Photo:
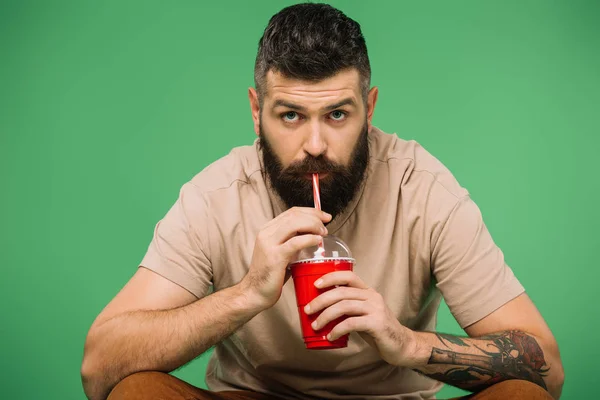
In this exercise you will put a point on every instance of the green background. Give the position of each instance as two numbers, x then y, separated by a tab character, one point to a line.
107	108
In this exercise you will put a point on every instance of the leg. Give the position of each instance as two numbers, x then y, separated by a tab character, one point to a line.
160	386
512	389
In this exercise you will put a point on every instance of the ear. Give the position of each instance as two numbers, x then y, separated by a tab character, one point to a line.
371	101
255	109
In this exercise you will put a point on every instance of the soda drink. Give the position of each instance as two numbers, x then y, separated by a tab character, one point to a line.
311	264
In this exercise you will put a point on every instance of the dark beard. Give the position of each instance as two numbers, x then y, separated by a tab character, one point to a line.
338	188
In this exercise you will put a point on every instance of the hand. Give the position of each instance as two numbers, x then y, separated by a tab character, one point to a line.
366	314
276	245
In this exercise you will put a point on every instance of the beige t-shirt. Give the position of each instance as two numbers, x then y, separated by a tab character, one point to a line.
416	236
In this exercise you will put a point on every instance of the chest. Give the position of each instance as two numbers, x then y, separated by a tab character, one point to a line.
390	258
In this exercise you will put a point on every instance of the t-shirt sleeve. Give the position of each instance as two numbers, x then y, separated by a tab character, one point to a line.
179	248
469	267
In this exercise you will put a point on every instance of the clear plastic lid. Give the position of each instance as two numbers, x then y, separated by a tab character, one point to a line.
332	248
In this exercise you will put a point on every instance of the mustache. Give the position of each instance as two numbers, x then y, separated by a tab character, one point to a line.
311	165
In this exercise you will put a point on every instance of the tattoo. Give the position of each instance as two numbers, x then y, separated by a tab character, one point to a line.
508	355
452	339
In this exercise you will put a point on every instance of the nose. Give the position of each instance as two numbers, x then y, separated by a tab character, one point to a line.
315	144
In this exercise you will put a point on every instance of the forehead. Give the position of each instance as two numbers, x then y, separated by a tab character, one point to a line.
345	84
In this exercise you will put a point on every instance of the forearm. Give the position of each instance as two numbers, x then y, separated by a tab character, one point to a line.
476	363
161	340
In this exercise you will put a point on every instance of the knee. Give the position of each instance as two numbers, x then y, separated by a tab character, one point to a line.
516	389
141	385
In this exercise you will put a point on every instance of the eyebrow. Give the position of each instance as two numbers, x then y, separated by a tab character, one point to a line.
346	101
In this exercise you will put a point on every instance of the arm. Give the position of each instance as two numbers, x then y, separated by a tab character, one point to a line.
156	325
477	285
513	342
476	363
158	339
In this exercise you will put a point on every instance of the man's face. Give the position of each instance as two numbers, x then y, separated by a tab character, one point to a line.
322	127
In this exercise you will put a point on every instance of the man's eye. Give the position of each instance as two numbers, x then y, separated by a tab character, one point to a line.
338	115
290	116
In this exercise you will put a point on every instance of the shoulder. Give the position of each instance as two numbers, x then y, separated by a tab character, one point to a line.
412	164
234	170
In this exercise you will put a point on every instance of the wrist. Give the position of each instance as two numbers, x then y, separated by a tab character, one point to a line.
251	298
417	350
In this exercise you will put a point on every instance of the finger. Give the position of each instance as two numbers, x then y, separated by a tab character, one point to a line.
344	307
322	215
297	243
298	224
271	226
331	297
338	278
285	229
285	226
352	324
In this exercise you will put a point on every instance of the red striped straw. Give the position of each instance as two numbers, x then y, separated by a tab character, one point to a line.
316	192
317	199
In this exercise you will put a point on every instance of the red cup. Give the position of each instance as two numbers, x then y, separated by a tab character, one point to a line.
304	274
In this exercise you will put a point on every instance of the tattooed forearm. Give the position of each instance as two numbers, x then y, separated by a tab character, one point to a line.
476	363
452	339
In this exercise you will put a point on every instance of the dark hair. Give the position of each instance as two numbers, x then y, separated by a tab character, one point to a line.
311	42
